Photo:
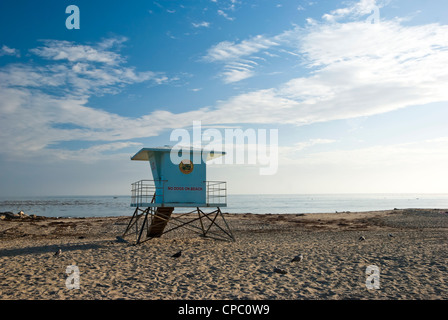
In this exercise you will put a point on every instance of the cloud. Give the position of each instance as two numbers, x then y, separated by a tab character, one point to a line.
354	11
225	15
7	51
78	69
397	168
417	154
75	79
289	154
226	51
238	70
235	74
23	75
230	51
103	152
203	24
67	50
114	42
43	105
355	69
299	146
231	54
368	69
373	69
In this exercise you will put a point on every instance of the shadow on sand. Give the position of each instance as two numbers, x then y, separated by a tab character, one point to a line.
51	249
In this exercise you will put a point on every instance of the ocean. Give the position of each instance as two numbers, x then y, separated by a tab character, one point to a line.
107	206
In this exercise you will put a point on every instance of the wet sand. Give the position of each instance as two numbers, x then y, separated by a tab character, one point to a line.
412	264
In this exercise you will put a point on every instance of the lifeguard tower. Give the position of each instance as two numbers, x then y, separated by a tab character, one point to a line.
177	182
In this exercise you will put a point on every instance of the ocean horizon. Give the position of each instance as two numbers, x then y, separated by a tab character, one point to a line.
119	205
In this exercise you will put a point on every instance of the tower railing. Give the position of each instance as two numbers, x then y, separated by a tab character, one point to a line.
145	192
216	192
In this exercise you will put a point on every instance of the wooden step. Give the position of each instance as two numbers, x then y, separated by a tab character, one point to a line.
159	221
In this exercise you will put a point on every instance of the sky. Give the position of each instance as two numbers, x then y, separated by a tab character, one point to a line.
357	91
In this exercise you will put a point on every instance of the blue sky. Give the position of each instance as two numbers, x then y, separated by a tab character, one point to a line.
359	107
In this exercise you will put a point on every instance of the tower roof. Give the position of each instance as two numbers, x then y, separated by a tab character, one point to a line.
145	153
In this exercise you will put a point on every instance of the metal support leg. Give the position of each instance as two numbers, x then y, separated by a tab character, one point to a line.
176	222
143	225
131	222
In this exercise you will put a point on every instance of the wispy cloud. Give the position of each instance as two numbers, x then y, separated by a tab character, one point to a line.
398	168
355	10
231	54
7	51
230	51
288	41
38	98
417	154
225	15
356	69
79	69
290	154
203	24
238	70
66	50
103	151
359	69
299	146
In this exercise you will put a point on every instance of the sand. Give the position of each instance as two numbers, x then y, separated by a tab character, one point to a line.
412	264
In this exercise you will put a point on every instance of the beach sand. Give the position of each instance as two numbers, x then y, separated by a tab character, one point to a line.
412	264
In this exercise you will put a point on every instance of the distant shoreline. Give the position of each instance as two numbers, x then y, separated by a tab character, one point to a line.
93	206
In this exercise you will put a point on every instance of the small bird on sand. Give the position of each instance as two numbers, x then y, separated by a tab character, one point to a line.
362	238
58	253
281	271
297	258
391	235
177	254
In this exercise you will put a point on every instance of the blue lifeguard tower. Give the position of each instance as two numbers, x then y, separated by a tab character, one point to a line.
179	180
